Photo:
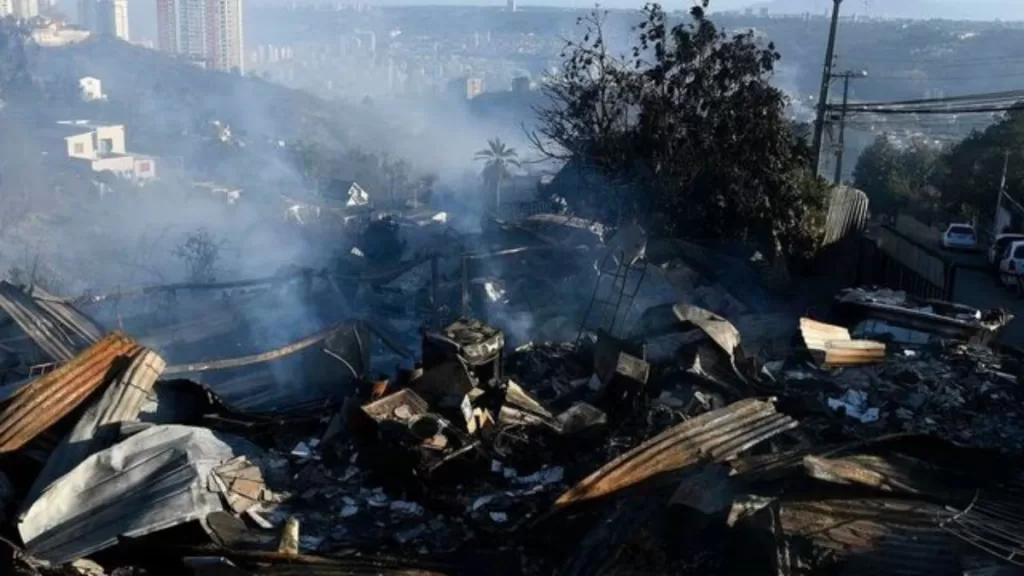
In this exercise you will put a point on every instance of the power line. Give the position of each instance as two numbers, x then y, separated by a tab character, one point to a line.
985	110
992	96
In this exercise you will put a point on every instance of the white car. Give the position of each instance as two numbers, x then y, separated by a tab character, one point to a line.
1011	267
999	246
960	236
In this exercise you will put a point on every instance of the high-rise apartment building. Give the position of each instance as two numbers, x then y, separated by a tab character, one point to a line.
112	18
205	30
19	8
104	17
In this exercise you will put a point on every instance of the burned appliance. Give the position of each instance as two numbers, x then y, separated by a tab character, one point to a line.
479	347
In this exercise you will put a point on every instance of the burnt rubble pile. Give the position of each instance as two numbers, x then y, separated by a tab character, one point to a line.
886	439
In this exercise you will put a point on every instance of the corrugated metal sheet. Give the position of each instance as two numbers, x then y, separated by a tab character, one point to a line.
120	402
868	536
847	214
57	328
51	397
154	480
831	345
893	473
994	523
80	323
716	436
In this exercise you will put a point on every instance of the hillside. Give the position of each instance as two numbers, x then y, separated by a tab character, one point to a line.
156	92
908	9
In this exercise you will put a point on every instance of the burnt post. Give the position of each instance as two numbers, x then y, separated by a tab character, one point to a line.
434	310
465	286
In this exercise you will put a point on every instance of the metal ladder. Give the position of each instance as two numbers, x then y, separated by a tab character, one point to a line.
606	308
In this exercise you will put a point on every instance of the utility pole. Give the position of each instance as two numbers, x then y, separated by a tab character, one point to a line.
1002	192
826	79
841	141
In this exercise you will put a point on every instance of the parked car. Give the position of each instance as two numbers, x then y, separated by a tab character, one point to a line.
1012	264
999	246
959	236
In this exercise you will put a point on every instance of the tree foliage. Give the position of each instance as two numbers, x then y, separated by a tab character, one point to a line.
497	158
687	131
970	173
200	252
14	72
956	183
899	179
384	177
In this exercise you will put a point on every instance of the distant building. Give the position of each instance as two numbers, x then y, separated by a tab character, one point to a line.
521	84
229	194
347	193
91	89
207	30
367	41
53	35
112	18
20	8
100	147
466	88
510	5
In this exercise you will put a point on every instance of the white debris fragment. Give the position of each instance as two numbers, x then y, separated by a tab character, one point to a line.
510	473
349	510
544	476
411	508
499	517
854	402
378	500
349	474
305	451
481	502
496	466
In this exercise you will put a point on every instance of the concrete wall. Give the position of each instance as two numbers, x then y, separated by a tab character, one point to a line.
118	164
116	136
81	146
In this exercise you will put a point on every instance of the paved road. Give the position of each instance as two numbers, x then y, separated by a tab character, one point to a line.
977	287
981	290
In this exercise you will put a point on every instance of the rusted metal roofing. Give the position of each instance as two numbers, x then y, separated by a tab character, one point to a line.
120	402
55	326
831	345
867	536
51	397
716	436
994	523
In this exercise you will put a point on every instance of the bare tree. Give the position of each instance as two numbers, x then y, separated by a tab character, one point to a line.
200	251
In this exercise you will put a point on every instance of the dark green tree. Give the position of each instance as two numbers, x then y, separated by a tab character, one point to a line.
689	133
898	179
971	171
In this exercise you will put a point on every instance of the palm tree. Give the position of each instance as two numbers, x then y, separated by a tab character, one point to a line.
498	158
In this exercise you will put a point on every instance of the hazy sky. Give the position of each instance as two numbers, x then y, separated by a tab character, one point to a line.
982	9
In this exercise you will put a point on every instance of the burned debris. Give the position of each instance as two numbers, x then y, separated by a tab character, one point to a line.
883	437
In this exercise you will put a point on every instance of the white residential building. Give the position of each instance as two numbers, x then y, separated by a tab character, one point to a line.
101	147
91	89
6	8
